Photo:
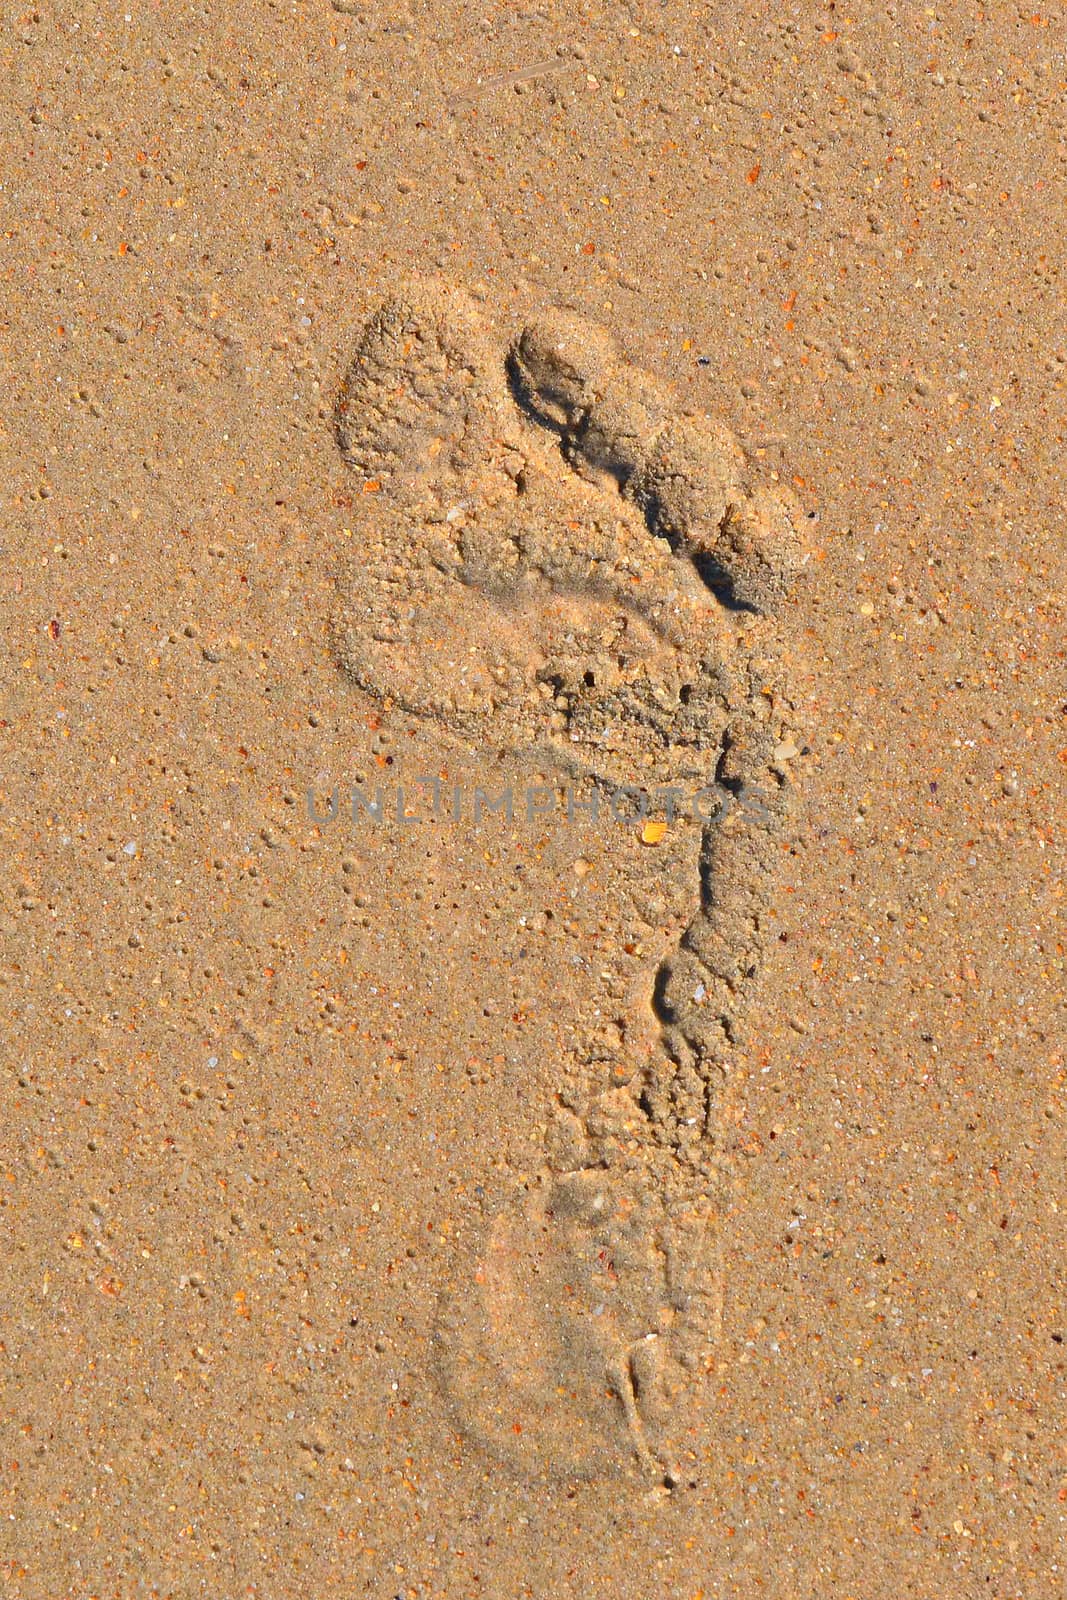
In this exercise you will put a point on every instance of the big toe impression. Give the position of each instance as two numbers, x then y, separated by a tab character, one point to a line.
423	392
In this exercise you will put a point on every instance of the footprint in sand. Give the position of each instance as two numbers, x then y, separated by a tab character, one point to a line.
557	562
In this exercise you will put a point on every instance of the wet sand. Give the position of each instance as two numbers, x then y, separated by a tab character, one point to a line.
286	1155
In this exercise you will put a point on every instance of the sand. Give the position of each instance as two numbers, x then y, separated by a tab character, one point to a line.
434	1160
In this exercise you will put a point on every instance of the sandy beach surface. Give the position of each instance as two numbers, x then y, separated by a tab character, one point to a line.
508	417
